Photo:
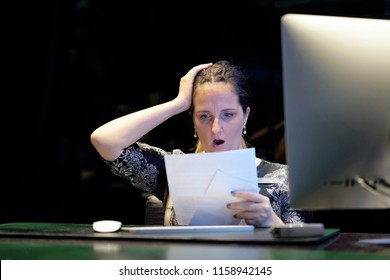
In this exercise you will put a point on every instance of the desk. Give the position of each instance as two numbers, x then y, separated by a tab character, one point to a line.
37	241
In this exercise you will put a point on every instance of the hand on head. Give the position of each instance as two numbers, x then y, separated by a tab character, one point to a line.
186	85
255	209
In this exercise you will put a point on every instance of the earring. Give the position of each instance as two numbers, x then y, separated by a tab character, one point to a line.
244	130
195	135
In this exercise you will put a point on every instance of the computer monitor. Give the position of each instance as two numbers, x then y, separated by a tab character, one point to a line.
336	90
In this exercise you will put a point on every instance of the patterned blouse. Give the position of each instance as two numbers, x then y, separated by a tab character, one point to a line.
143	165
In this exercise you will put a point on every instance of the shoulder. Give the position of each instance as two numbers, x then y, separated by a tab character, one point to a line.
141	151
267	167
277	171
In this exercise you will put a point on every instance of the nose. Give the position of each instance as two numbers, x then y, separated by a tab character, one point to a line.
216	126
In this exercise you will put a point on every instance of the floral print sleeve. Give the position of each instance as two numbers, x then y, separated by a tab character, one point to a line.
143	165
278	192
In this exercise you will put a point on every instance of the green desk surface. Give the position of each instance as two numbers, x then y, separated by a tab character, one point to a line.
45	241
85	231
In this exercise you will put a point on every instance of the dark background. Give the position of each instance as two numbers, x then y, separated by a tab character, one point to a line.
77	64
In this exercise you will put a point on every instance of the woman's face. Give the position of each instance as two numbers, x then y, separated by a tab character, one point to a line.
218	117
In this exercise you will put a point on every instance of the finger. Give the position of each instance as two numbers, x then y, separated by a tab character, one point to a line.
194	70
258	218
188	79
249	215
245	205
201	67
250	196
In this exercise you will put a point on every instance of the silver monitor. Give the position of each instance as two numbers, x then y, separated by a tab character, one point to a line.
336	88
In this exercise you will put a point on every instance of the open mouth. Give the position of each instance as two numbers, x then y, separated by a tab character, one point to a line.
218	142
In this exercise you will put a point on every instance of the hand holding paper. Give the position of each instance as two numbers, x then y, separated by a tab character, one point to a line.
200	185
212	208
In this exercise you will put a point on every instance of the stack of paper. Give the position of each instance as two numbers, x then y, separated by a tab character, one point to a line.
200	184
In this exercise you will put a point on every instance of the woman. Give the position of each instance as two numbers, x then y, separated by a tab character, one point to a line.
217	96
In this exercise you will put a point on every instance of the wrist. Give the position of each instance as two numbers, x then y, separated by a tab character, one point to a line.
181	105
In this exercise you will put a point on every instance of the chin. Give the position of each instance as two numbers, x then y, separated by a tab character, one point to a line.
219	148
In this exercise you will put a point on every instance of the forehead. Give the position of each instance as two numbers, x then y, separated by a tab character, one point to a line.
214	94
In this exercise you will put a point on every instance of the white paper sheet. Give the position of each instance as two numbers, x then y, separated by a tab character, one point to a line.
200	184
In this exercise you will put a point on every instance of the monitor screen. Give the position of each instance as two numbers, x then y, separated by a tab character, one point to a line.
336	90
